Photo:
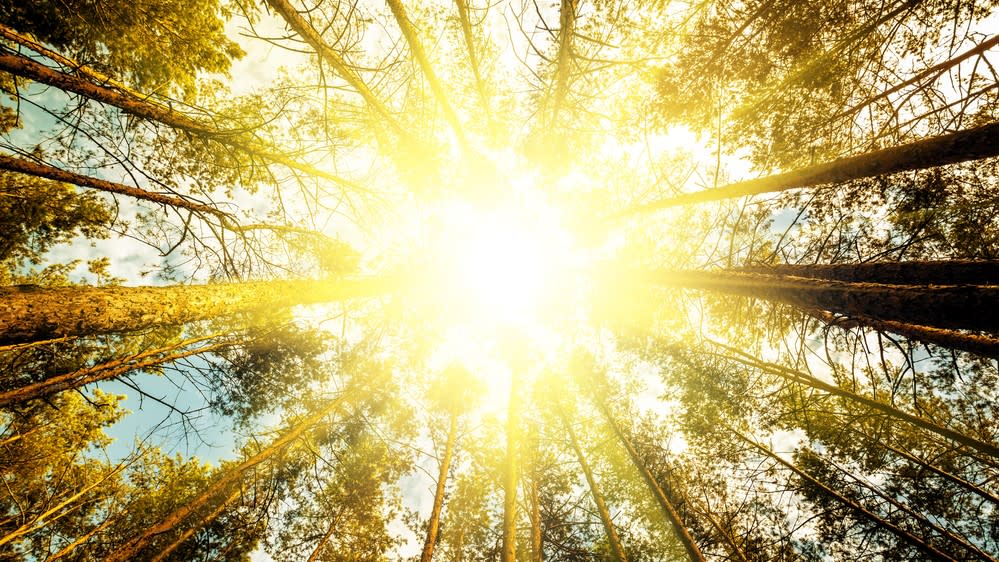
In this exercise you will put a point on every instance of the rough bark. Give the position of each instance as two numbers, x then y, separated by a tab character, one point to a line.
972	307
30	313
808	380
435	513
972	144
134	546
617	551
987	346
567	28
949	272
25	67
669	510
906	536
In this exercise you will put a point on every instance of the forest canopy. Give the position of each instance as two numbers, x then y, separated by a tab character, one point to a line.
522	280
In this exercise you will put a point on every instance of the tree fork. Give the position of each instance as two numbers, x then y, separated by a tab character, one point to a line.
415	47
30	313
972	144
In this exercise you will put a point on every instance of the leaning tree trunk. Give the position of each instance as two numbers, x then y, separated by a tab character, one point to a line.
134	546
972	144
906	536
31	313
971	487
617	551
188	533
509	553
794	376
984	345
110	369
669	510
972	307
941	272
435	513
25	67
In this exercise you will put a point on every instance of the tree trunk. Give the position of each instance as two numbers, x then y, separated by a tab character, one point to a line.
322	542
972	307
509	553
134	546
932	71
304	29
669	510
537	538
617	551
416	48
25	67
948	272
972	144
986	346
435	513
984	494
808	380
30	313
853	505
37	169
108	370
188	533
913	514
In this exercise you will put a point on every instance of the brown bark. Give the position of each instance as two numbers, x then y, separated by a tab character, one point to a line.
987	346
948	272
304	29
669	510
322	542
108	370
972	144
40	170
25	67
189	532
972	307
808	380
913	540
617	551
134	546
915	515
29	313
435	513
